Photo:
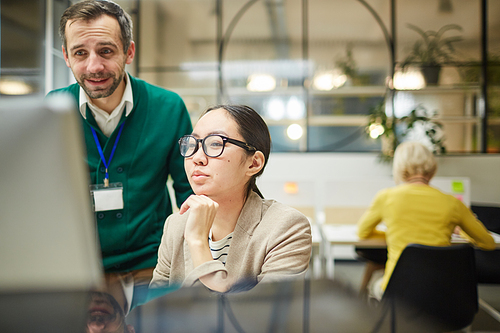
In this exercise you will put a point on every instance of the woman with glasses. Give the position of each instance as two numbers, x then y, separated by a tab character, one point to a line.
226	232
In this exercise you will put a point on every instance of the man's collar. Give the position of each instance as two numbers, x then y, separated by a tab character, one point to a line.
127	96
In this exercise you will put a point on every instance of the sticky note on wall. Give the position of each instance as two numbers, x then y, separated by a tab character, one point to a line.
457	186
291	188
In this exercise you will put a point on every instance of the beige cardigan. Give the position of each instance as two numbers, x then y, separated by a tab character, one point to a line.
270	239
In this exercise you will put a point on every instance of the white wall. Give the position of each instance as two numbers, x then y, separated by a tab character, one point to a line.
483	171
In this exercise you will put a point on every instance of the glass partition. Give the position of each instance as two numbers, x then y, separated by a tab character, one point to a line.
316	70
21	47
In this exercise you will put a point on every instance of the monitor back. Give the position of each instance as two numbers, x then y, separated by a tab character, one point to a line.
48	236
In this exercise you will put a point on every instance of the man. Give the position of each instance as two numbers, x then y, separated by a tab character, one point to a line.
131	129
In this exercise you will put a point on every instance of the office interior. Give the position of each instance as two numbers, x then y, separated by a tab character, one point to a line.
322	73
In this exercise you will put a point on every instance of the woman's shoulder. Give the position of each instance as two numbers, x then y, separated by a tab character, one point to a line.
273	210
269	217
280	222
382	194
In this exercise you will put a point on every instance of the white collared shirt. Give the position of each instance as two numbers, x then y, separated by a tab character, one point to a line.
127	283
108	122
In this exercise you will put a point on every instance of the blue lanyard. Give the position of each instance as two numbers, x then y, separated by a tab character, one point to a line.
99	148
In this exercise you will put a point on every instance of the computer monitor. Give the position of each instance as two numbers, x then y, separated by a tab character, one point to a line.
48	236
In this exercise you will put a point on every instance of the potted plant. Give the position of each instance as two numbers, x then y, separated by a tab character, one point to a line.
432	50
471	73
348	67
382	126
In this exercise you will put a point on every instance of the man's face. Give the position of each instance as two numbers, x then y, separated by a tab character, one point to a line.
95	55
104	314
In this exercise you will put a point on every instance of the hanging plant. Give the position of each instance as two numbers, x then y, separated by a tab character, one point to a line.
427	122
347	63
419	125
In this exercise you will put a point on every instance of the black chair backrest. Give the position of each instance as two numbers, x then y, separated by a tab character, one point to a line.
434	284
488	266
487	262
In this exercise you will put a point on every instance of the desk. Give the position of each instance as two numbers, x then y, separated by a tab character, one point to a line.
345	234
317	251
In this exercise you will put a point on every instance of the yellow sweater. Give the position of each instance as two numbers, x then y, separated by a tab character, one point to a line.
420	214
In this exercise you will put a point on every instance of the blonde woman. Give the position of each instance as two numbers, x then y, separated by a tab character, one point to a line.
415	212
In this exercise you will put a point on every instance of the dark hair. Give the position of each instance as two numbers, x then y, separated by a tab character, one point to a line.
92	9
254	131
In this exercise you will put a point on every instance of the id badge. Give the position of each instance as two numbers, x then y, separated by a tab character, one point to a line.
107	197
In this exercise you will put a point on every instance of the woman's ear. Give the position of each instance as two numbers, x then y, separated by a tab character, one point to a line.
257	163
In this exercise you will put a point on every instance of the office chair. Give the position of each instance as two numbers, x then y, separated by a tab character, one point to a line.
487	268
488	273
434	286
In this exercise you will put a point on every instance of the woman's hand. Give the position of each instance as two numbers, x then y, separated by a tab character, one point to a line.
200	220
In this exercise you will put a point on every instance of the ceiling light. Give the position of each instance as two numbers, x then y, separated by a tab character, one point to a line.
261	82
403	103
445	6
295	108
294	131
329	80
15	87
376	130
276	109
410	79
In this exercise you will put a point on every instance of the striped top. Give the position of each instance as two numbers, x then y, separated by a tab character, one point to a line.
220	248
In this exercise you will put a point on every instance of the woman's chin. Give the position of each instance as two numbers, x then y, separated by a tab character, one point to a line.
200	191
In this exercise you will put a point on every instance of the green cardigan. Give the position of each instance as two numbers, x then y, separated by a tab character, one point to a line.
146	154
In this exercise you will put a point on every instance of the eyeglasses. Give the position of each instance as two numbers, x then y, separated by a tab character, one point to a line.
213	145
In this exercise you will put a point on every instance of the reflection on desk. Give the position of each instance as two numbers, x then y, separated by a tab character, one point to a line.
286	306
